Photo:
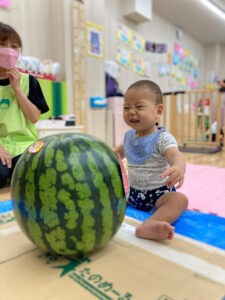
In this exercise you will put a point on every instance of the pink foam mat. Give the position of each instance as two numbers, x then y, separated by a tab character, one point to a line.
205	188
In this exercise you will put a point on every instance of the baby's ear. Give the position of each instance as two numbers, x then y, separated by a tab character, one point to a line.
160	109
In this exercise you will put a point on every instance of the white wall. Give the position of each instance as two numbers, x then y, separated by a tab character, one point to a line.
215	60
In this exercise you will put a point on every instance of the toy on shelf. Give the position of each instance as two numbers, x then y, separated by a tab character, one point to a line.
44	69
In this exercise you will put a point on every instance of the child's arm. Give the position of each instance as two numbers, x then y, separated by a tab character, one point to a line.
176	171
31	112
5	157
120	150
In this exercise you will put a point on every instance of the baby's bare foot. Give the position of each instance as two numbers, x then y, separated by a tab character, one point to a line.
155	230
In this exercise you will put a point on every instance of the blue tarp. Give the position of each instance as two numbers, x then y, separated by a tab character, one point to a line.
206	228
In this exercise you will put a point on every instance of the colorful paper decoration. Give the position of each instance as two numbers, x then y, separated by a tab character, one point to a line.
155	48
150	47
123	56
161	48
195	73
164	70
124	34
138	65
176	47
4	3
95	43
148	68
176	58
169	58
137	42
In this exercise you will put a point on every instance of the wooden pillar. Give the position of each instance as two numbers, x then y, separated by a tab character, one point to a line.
173	114
79	62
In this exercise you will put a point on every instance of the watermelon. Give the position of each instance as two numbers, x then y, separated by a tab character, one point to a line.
68	195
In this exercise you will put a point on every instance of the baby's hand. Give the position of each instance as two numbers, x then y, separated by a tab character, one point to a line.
175	176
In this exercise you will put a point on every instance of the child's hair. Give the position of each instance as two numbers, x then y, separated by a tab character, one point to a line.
7	33
151	86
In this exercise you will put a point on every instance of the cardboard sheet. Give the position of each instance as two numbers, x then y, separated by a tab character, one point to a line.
5	194
126	268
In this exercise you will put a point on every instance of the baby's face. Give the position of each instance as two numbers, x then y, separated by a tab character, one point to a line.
140	110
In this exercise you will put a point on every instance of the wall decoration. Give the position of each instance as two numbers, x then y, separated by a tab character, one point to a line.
161	48
112	68
169	58
4	3
95	43
182	53
138	42
123	56
148	67
155	47
164	70
138	65
150	47
195	73
124	34
184	68
176	59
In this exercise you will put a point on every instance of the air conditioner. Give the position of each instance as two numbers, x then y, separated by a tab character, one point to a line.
137	11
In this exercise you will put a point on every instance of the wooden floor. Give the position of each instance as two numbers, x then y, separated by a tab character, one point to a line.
215	159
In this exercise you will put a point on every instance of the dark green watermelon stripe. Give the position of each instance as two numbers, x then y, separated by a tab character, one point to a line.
72	152
99	153
29	215
118	206
34	231
45	179
106	216
95	230
82	192
44	158
116	187
105	221
61	198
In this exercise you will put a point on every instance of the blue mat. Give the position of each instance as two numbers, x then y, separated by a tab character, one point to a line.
5	206
206	228
203	227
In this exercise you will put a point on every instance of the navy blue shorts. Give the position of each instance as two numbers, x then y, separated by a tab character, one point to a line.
146	200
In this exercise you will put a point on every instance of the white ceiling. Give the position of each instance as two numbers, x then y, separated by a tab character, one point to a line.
193	18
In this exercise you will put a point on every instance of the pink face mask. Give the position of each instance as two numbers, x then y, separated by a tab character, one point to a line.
8	58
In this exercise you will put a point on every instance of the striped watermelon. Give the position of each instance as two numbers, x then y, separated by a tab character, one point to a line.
68	194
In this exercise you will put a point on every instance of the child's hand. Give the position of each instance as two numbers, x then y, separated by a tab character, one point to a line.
14	77
175	176
5	157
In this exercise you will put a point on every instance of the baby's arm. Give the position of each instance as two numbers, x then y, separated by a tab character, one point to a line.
120	150
176	171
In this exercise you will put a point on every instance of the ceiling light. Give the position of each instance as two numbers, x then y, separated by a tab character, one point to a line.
214	7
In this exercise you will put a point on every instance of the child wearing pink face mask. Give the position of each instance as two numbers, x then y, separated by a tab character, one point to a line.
21	103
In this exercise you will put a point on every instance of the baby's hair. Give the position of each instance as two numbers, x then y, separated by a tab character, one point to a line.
151	86
7	33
